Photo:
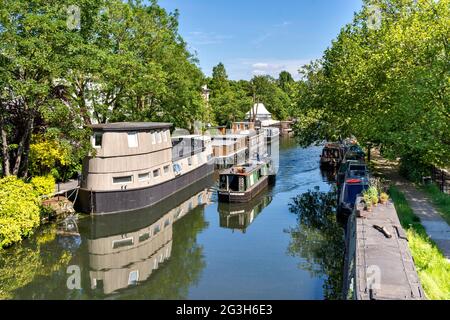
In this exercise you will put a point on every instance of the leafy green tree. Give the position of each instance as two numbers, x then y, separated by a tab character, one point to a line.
265	90
388	85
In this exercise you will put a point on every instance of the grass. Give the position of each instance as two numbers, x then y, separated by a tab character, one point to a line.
440	200
432	267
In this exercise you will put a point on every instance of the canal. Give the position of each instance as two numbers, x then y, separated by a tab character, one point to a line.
191	247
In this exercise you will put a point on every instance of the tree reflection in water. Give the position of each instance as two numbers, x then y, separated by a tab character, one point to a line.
319	239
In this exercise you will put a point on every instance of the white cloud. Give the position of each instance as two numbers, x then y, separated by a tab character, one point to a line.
246	68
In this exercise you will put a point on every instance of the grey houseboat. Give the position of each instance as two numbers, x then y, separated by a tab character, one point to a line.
136	166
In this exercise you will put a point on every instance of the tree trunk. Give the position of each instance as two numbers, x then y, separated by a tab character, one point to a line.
5	152
22	144
26	152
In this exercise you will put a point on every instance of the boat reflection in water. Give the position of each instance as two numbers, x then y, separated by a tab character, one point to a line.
125	250
239	216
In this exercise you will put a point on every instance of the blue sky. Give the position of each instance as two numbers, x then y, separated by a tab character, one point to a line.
253	37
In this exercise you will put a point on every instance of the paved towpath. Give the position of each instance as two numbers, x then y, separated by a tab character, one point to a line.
436	227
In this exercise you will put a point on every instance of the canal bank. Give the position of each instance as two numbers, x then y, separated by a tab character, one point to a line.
194	250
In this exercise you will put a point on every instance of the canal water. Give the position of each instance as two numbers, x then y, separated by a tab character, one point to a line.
191	247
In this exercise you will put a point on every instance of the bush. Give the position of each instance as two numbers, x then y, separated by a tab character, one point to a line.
19	210
43	185
50	155
413	168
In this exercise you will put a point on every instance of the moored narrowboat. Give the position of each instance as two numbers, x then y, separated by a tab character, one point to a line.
243	183
332	155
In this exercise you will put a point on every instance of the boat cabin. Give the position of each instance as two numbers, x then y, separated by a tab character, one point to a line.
352	187
243	183
332	155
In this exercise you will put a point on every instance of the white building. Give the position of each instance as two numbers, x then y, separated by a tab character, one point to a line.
262	114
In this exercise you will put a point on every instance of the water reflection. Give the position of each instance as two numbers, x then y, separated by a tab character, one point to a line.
328	175
239	216
146	251
319	239
133	255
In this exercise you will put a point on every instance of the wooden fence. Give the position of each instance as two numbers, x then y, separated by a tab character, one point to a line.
442	179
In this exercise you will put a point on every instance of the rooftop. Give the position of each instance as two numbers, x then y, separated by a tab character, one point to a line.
130	126
244	170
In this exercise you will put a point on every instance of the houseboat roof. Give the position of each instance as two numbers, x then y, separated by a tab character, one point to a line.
130	126
244	170
228	137
192	136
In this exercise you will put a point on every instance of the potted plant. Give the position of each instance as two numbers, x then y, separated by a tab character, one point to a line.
368	201
384	197
373	194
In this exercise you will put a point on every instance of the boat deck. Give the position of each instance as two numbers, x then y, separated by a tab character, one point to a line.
246	169
378	267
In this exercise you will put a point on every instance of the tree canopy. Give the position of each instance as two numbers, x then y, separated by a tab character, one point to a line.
387	83
63	67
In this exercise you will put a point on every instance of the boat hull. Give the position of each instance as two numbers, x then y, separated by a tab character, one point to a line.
109	202
241	197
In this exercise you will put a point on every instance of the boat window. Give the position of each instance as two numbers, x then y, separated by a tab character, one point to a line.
153	137
252	180
158	137
156	230
166	169
122	243
123	180
132	140
190	161
223	183
233	183
166	223
144	176
97	140
133	278
177	168
144	237
357	167
156	173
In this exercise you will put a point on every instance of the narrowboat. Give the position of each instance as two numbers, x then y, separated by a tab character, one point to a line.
243	183
138	164
332	155
351	167
352	187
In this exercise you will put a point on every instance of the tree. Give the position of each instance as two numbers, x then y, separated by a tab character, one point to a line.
125	62
387	86
33	38
265	90
285	81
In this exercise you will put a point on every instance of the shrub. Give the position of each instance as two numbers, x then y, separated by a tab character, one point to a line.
50	155
43	185
19	210
413	168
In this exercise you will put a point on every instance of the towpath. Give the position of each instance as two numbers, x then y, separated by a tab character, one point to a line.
436	227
